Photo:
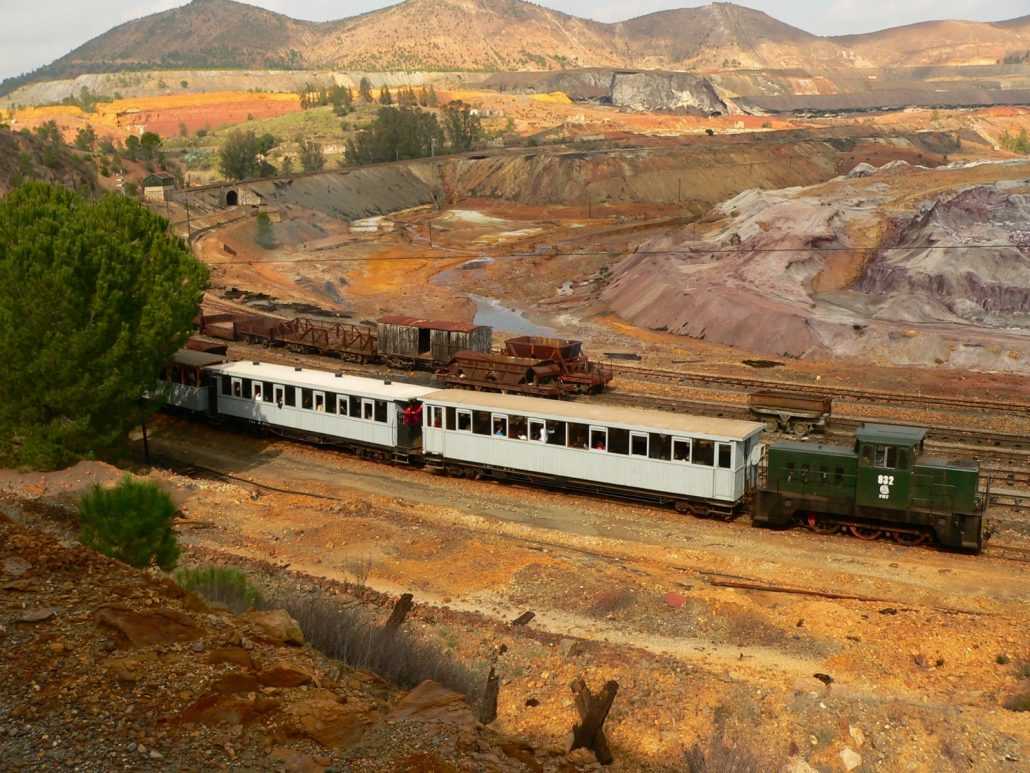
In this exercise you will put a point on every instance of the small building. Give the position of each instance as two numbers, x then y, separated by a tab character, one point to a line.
156	185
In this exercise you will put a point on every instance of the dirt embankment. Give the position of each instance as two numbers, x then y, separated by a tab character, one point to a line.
912	264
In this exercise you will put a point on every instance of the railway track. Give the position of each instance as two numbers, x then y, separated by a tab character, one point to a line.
850	393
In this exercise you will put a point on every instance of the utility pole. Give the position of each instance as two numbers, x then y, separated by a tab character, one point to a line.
189	228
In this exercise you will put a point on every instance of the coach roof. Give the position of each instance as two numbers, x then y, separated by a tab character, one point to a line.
600	415
321	380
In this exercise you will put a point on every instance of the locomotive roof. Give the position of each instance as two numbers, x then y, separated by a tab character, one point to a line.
601	415
890	433
797	446
321	380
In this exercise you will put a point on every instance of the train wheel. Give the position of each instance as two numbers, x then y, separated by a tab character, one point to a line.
820	526
866	532
908	539
686	508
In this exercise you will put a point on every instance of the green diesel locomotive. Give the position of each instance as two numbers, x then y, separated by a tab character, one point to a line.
885	485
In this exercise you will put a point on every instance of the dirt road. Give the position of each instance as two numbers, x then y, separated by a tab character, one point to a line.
639	594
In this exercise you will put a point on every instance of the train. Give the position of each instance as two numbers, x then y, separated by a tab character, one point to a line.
460	353
885	485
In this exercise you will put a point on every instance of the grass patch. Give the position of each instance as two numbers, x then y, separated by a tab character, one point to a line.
1018	702
221	585
721	756
346	635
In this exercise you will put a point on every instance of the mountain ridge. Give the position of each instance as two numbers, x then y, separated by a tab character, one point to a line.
513	35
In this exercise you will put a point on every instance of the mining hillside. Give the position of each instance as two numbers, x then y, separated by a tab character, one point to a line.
103	666
850	267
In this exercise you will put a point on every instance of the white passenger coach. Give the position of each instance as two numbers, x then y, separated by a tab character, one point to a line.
326	406
701	464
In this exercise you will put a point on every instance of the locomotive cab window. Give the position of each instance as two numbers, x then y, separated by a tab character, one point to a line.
886	457
681	449
638	444
464	421
867	455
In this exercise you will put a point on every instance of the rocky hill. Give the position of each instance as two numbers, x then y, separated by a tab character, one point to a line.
505	35
25	157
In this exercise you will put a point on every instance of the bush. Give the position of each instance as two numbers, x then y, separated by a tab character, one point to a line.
131	522
221	585
720	757
1020	702
345	635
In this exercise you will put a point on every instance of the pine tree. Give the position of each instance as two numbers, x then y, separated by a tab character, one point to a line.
94	299
365	90
385	98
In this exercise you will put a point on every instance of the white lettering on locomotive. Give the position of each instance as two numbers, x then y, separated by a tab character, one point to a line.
885	482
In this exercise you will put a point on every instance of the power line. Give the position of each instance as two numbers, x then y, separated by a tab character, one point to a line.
618	253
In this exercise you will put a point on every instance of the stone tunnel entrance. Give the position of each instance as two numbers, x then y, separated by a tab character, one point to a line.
232	199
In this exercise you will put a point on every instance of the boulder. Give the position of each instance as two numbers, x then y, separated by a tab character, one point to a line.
236	656
431	702
274	626
285	674
232	709
321	717
850	758
143	629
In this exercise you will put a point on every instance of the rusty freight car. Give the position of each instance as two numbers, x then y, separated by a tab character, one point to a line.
410	341
790	412
337	339
577	372
501	373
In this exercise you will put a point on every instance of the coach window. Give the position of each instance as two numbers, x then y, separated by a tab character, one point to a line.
638	444
704	453
556	433
452	420
436	416
481	423
306	400
280	395
381	415
266	391
579	435
367	408
537	430
681	449
226	385
354	407
258	386
598	439
464	421
320	402
500	426
725	456
237	388
291	396
342	403
659	446
618	440
518	428
248	387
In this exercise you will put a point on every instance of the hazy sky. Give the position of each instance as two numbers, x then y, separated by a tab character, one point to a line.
36	33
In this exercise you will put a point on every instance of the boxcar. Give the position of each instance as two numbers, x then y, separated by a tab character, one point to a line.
322	406
410	341
700	464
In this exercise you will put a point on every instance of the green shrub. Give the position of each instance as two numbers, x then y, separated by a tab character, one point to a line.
221	585
1018	702
131	522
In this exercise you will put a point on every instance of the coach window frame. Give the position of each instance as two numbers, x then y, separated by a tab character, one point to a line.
368	409
537	430
635	436
678	441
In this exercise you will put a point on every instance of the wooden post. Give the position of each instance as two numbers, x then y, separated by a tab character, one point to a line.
524	618
400	611
593	711
488	708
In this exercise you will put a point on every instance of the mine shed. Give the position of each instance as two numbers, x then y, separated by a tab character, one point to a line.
425	339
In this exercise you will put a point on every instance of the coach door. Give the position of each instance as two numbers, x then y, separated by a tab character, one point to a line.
725	477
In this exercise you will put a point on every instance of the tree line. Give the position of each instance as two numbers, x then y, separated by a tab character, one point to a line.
343	98
400	133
